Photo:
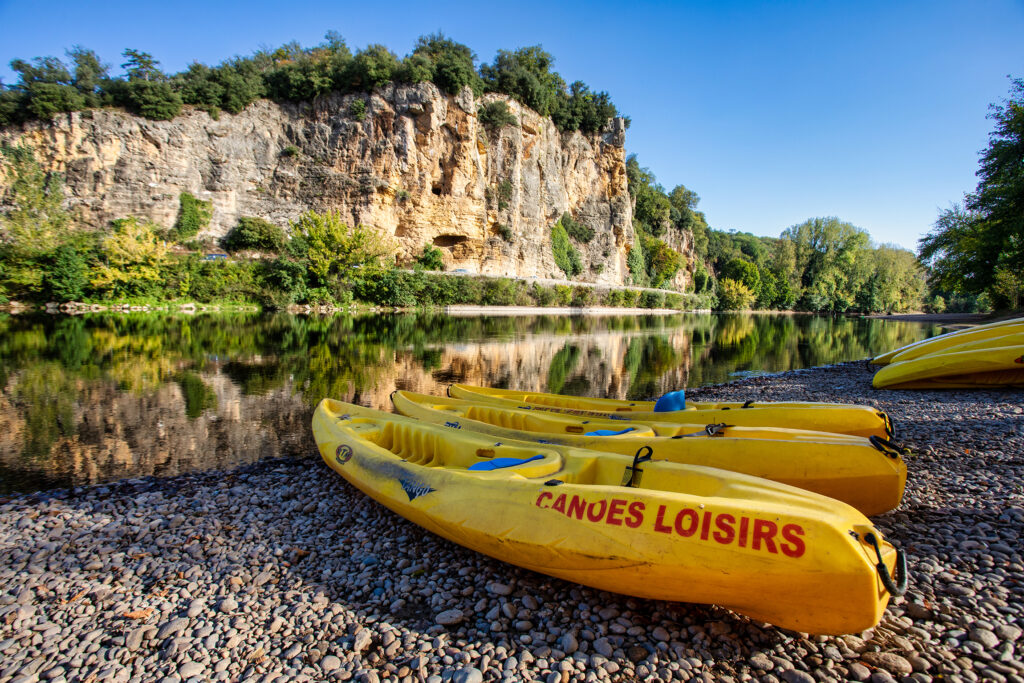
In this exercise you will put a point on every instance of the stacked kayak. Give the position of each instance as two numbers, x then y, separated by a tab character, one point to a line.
632	524
868	474
986	356
839	418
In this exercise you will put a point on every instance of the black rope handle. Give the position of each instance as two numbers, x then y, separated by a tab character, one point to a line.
899	586
637	459
890	448
890	428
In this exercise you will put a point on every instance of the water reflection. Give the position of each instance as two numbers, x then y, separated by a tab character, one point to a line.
95	398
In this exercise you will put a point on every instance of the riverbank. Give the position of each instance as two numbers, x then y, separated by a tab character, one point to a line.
281	569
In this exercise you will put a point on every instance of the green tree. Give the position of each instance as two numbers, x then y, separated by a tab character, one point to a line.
970	247
526	75
335	249
254	233
452	65
67	276
734	296
372	68
830	258
651	206
430	258
684	216
131	259
35	224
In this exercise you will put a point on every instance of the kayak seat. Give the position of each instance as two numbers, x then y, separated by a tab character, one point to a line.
501	463
609	432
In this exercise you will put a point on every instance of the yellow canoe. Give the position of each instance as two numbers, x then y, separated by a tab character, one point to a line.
978	368
868	474
678	532
944	341
837	418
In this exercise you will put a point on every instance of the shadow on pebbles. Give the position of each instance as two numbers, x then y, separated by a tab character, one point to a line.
281	571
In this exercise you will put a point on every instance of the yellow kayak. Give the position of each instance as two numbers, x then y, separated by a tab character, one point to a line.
655	530
817	417
945	341
868	474
978	368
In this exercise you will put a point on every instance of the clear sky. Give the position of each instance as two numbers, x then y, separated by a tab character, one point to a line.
773	112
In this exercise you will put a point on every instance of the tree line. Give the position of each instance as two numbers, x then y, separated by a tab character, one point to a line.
48	86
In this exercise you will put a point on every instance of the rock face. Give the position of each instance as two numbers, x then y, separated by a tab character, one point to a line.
418	165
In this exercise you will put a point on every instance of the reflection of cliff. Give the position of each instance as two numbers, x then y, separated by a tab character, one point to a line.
117	434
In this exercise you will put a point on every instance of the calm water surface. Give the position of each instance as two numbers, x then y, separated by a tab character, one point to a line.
96	398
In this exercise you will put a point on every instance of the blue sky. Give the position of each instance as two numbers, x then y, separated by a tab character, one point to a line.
772	112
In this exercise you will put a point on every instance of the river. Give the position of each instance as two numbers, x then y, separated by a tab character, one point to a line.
102	397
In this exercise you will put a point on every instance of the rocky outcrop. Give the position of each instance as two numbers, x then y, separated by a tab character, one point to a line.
418	165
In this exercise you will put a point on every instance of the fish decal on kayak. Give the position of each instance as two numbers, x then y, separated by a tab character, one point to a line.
415	489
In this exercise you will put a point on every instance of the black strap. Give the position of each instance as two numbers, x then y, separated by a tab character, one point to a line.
890	448
637	459
899	586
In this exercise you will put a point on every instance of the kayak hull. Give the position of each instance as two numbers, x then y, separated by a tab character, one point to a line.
851	469
853	420
975	368
684	533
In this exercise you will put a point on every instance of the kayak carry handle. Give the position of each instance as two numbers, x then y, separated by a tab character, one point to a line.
890	428
637	459
890	448
899	586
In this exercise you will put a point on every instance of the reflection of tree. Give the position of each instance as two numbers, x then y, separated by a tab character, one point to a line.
198	396
562	364
44	393
647	360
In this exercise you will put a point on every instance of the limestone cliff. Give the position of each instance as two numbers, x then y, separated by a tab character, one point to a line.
418	165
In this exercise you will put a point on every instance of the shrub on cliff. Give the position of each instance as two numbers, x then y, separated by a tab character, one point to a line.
193	215
578	231
496	115
566	256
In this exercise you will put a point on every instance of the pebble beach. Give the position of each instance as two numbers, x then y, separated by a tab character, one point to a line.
281	571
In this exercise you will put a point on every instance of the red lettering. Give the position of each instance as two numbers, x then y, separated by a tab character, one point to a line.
690	530
615	511
659	521
706	525
764	530
636	515
594	513
577	506
725	533
559	504
542	497
744	526
792	533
